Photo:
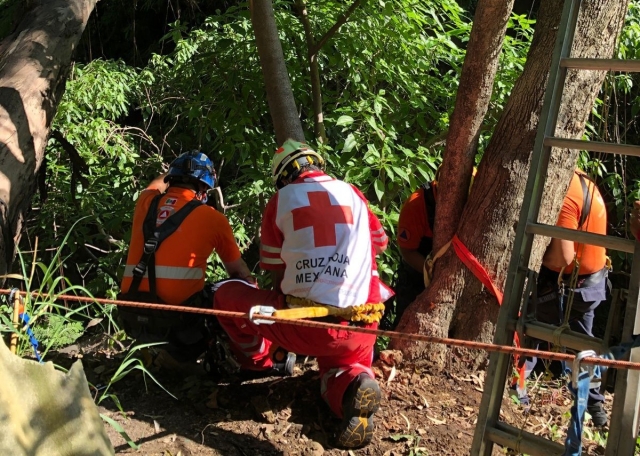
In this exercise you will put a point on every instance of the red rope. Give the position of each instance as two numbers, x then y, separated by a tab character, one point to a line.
316	324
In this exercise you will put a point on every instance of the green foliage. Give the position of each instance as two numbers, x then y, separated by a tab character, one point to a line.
389	81
385	114
120	430
54	322
58	331
130	364
99	95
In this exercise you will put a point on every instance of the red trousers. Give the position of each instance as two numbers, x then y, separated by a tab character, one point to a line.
342	355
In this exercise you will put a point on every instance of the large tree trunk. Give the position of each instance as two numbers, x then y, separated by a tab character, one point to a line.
282	106
463	309
34	63
472	101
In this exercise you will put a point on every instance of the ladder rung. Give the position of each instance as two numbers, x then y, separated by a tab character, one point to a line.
610	242
523	441
593	146
601	64
568	338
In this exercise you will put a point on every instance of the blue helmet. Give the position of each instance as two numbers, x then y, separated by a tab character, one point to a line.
192	166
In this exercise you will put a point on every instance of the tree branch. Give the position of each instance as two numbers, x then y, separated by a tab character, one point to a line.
314	71
332	31
79	167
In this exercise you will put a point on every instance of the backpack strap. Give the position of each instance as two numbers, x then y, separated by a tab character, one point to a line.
153	237
429	203
586	199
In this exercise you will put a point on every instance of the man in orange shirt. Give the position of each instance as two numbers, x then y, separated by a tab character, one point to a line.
415	240
583	209
174	233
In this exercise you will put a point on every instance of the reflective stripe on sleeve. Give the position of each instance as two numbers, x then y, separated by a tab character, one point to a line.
268	248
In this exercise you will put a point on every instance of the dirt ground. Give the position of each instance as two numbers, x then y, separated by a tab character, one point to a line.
421	413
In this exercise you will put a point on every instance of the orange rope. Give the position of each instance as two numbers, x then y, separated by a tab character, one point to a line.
316	324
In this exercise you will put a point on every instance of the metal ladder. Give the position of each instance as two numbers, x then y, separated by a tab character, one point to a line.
624	420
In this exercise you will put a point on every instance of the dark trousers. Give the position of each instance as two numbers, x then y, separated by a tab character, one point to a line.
551	307
408	286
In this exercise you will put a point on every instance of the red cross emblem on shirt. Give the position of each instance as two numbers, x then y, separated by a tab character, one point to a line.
322	216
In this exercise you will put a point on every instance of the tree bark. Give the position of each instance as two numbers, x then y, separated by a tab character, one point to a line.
456	304
34	63
282	106
472	101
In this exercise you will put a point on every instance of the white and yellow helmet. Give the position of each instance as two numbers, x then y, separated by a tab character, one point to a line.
291	156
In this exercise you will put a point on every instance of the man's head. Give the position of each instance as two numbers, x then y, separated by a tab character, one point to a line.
291	159
193	170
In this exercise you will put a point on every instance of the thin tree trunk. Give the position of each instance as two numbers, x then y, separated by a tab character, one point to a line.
312	55
456	305
282	106
34	63
314	73
472	101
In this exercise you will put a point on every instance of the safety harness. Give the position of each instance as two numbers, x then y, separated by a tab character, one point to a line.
153	237
155	323
586	201
575	280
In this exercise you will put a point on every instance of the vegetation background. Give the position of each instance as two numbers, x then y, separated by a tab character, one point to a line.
154	78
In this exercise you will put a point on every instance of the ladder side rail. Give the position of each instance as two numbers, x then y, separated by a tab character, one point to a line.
499	363
610	242
624	416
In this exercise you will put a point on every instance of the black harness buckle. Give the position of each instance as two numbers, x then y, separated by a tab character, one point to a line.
140	269
150	245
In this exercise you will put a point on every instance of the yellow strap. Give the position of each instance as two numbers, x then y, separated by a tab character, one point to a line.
302	312
427	270
306	308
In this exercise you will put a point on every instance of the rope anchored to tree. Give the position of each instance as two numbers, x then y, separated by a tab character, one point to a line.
491	348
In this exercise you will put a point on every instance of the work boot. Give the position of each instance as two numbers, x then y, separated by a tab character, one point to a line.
283	363
598	415
360	402
219	360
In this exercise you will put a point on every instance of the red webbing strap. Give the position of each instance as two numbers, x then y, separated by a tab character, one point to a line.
471	262
474	265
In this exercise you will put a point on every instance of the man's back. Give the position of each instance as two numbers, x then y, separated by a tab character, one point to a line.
583	202
415	224
319	230
181	259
